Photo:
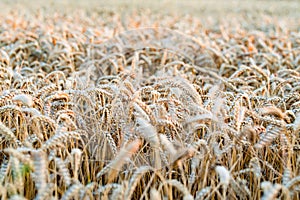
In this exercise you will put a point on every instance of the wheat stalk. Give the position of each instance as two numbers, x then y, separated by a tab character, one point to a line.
115	166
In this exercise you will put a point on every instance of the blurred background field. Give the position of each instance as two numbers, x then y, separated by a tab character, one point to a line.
252	14
213	8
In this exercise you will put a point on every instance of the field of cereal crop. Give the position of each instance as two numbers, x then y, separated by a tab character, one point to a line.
149	100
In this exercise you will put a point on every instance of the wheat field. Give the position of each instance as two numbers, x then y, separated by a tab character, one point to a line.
147	100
